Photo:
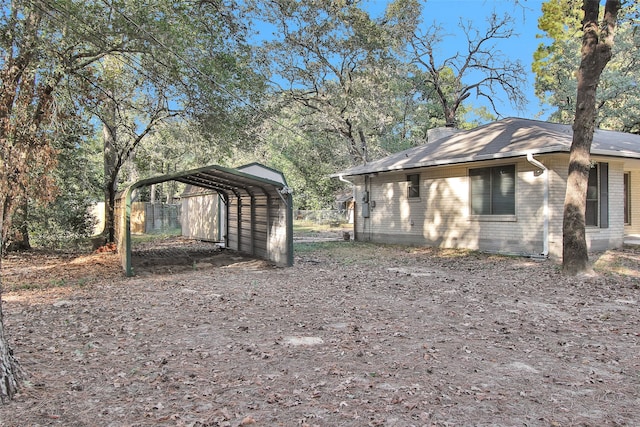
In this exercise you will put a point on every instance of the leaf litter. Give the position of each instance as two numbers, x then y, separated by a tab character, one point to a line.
353	334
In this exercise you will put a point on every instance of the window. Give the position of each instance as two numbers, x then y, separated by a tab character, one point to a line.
591	211
493	190
413	185
597	207
627	194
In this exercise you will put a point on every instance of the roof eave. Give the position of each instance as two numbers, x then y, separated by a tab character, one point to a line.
452	161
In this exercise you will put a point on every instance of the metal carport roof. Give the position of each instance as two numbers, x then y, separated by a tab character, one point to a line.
268	230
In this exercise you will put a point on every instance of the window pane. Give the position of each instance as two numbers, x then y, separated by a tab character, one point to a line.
592	185
413	183
591	209
503	182
591	213
480	191
626	198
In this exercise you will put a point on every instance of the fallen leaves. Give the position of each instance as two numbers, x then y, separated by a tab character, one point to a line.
390	338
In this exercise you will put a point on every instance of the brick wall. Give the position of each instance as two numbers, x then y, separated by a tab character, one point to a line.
441	215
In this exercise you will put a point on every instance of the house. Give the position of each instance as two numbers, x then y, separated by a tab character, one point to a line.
497	188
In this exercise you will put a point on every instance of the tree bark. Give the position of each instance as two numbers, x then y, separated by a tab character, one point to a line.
19	234
110	171
596	53
10	372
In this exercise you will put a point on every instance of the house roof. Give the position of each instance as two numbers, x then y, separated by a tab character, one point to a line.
507	138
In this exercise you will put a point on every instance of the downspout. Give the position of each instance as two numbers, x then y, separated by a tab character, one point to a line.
353	186
545	204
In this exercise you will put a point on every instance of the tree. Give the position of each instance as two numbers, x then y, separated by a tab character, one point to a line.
129	111
597	44
555	64
54	45
482	70
66	220
29	78
191	63
335	65
306	162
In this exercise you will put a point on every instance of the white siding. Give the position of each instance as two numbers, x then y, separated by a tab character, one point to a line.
634	221
441	215
200	217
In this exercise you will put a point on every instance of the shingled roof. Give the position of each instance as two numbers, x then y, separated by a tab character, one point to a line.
507	138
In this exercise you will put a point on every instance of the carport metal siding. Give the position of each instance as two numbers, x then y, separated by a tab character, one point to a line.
259	213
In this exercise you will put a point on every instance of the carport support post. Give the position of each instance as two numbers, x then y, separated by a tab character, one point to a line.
223	229
239	222
253	224
127	232
289	229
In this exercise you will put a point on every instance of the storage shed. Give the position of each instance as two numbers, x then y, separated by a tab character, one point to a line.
257	206
204	216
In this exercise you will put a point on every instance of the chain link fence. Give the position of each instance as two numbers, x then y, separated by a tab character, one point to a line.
332	217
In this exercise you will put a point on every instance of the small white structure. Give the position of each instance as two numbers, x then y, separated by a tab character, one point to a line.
203	217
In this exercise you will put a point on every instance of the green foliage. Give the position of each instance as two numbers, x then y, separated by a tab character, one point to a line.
67	219
556	62
333	66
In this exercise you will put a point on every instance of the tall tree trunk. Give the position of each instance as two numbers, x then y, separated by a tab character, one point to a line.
18	239
10	372
110	172
596	53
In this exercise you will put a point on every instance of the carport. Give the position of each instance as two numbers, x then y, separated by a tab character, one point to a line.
258	203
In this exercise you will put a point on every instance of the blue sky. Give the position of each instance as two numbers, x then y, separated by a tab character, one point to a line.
447	13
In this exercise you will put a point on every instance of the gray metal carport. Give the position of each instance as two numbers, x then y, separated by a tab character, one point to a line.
259	210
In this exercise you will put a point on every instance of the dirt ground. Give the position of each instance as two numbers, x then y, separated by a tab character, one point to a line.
354	334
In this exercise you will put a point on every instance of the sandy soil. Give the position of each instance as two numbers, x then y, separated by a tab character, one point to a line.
353	335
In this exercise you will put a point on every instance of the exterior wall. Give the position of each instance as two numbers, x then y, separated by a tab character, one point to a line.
200	217
598	239
262	226
633	227
441	216
601	239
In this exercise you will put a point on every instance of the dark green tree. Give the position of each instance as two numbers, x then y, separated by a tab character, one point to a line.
597	46
556	61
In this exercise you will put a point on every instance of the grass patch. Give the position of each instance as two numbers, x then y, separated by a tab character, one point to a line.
626	263
155	236
352	252
310	228
55	283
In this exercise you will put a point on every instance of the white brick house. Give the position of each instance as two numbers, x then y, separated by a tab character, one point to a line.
497	188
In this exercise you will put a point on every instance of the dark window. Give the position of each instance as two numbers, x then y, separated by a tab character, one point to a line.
597	207
627	204
591	211
413	185
493	190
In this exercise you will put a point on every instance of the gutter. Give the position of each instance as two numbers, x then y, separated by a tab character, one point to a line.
353	194
353	186
341	178
545	208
